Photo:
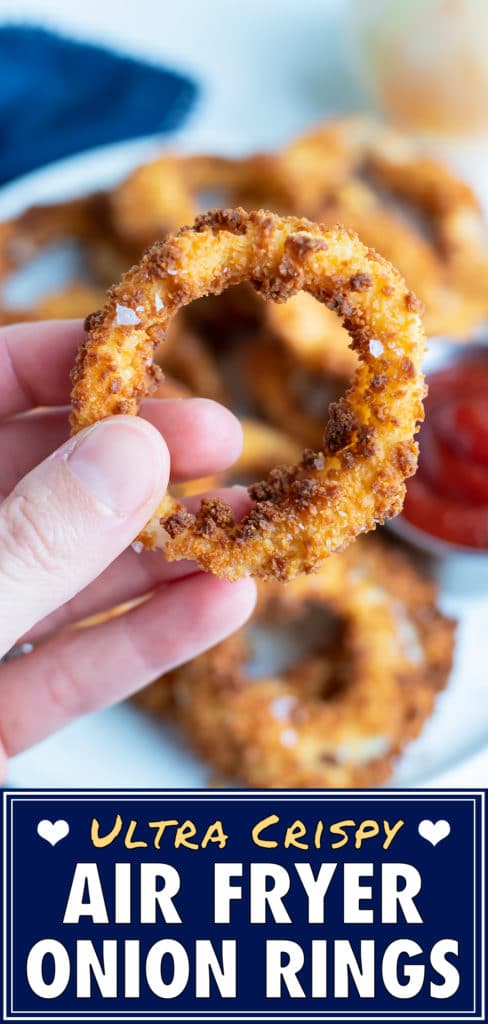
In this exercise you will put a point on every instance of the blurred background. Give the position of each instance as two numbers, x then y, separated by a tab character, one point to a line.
265	69
269	69
242	77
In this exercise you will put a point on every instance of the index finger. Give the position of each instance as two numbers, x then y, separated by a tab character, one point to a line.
35	364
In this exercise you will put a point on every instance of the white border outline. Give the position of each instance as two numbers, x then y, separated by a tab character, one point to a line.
145	795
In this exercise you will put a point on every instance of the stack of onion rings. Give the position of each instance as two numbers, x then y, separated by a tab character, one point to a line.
448	269
337	173
287	359
447	309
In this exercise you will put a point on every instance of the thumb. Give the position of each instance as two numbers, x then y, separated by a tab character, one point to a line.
73	514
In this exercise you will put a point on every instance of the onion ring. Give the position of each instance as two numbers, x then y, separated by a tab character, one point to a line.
450	203
447	309
448	269
73	301
343	712
290	394
306	512
453	211
187	359
313	334
325	157
160	196
24	236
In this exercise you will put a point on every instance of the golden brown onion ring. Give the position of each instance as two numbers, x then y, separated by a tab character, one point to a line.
453	212
313	334
448	309
166	193
306	512
345	708
448	267
325	157
22	237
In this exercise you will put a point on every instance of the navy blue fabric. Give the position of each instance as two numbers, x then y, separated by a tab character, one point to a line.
59	96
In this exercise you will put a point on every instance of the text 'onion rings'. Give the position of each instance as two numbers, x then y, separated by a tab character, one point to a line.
305	512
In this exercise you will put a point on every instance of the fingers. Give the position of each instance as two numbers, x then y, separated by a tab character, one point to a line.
73	515
27	440
75	673
35	364
203	438
130	576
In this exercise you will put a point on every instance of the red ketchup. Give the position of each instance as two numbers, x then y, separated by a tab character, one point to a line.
448	497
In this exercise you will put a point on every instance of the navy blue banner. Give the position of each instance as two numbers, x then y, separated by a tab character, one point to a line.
175	905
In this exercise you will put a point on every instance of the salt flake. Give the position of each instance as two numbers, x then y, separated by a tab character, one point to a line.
288	738
376	347
125	316
281	707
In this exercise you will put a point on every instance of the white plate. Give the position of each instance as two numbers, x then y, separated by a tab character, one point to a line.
121	747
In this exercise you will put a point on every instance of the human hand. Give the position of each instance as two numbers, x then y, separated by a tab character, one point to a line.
68	513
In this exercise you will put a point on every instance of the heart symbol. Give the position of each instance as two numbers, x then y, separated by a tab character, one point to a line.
53	831
434	831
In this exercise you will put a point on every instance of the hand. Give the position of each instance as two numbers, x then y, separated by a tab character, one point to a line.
66	522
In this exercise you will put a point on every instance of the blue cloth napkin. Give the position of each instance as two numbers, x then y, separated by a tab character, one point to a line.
59	97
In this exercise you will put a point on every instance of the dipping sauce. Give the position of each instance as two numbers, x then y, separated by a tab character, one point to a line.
448	497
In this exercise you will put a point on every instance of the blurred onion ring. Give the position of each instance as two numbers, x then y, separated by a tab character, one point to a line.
25	235
305	512
166	193
342	711
447	264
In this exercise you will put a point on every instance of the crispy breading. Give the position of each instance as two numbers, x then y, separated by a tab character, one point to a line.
317	507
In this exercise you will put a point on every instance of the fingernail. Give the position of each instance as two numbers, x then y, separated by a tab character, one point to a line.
119	462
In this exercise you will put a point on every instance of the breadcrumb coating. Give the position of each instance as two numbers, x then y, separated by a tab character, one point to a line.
303	513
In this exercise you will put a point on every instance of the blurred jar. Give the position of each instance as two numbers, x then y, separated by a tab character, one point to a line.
424	62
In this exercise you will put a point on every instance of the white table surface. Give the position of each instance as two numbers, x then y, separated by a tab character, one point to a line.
268	68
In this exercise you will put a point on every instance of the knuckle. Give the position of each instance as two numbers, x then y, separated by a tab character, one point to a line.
29	540
66	691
